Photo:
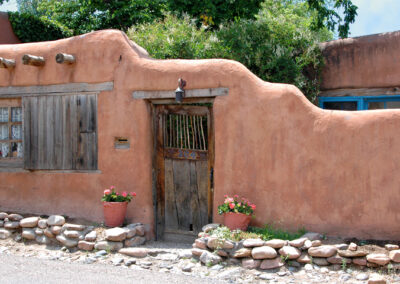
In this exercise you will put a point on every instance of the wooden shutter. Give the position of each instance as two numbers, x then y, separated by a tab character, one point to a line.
60	132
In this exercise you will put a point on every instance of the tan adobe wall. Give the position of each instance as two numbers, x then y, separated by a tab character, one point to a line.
7	35
328	171
371	61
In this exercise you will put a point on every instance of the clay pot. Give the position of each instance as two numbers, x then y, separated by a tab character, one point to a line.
235	221
114	213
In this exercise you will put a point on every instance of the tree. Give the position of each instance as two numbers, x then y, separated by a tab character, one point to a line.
29	6
328	17
83	16
215	12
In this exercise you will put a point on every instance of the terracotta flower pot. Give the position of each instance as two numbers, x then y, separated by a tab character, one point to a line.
235	221
114	213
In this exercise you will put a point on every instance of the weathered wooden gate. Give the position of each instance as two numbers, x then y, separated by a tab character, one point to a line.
184	169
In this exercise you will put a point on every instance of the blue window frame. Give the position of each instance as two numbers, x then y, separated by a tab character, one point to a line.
359	102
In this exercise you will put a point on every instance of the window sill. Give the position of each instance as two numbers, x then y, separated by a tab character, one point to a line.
22	170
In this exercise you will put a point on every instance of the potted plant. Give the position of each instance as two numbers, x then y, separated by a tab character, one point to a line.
237	212
114	206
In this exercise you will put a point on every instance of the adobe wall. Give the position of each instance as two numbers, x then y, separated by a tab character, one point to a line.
328	171
371	61
7	35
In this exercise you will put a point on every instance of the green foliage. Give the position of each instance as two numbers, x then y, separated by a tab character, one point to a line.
29	6
177	38
278	46
215	12
269	232
326	16
83	16
266	233
29	28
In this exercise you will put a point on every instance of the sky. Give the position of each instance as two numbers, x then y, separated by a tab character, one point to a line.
374	16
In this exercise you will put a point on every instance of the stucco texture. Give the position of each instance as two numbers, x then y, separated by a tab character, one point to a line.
333	172
363	62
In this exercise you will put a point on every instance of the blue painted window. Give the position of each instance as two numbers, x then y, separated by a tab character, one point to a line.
360	102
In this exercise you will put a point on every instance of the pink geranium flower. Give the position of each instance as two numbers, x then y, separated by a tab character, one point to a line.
231	205
124	194
133	193
112	187
117	193
253	206
107	192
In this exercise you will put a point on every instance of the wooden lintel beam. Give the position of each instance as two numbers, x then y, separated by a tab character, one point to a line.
65	58
7	63
33	60
194	93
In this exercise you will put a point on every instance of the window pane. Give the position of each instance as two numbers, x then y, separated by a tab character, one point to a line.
4	132
4	149
3	114
16	132
16	150
394	104
376	105
340	105
16	114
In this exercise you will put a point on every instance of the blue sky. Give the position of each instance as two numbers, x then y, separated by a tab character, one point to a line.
374	16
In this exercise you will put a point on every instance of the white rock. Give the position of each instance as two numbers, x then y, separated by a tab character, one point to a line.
290	252
209	258
263	252
3	215
39	231
91	236
56	220
11	224
73	227
15	217
378	258
298	242
135	241
42	240
29	222
85	245
28	233
4	234
276	243
362	277
72	234
135	252
67	242
42	223
116	234
253	243
322	251
108	245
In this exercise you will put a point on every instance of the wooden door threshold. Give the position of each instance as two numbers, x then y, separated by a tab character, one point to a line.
179	236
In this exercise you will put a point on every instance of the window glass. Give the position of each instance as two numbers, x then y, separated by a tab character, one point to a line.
393	104
376	105
3	132
341	105
3	114
16	114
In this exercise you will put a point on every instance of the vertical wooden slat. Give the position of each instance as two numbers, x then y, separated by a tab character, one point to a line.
194	198
42	126
181	171
184	131
171	214
170	130
49	133
74	128
176	131
58	132
26	106
202	133
66	118
195	133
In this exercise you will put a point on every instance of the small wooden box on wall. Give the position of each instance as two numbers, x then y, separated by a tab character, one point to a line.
121	143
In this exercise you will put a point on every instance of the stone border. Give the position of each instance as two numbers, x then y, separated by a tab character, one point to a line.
264	255
54	229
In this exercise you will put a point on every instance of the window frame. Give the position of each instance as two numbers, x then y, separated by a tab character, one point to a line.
12	162
362	101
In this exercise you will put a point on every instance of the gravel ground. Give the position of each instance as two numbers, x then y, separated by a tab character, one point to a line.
28	262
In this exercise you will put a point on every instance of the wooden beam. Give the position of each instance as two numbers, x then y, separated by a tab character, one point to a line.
7	63
33	60
65	58
11	92
195	93
360	92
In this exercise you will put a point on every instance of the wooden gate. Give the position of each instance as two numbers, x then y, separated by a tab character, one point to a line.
183	167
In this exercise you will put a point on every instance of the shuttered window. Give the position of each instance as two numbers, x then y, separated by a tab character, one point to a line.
60	132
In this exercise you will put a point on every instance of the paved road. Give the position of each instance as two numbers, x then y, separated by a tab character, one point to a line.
17	269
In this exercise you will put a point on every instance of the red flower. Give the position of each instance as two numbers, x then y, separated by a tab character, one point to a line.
231	205
133	193
236	196
124	194
253	206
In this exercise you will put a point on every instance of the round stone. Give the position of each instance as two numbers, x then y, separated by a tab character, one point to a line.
263	252
322	251
290	252
29	222
56	220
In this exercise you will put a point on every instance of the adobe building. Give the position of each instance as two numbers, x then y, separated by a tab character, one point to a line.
108	115
361	73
